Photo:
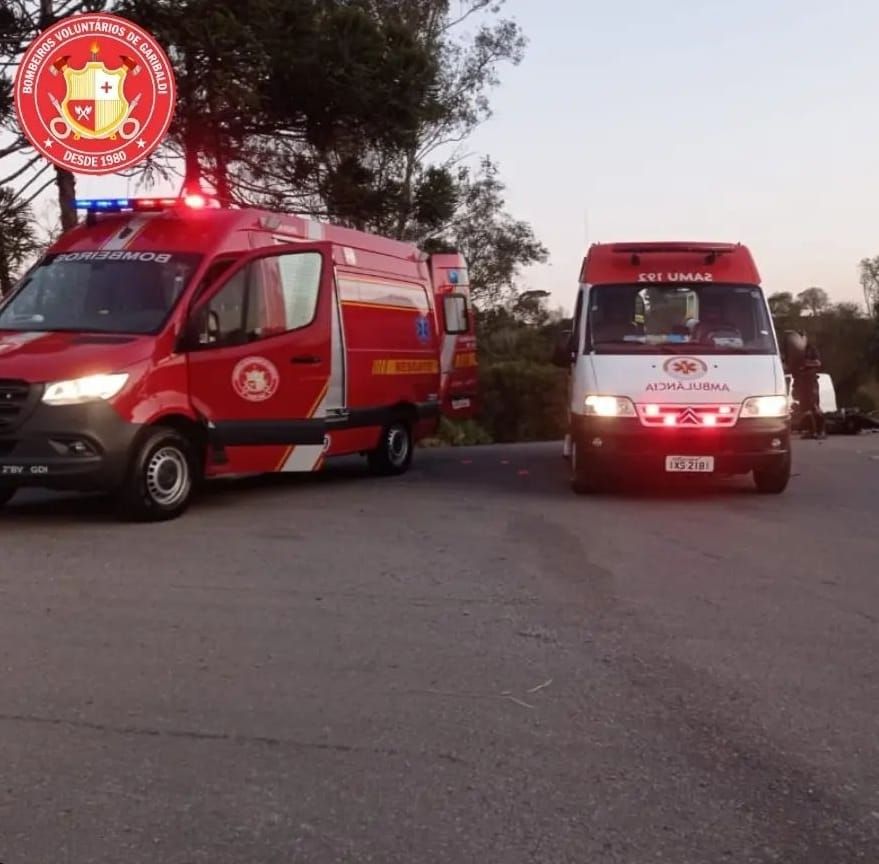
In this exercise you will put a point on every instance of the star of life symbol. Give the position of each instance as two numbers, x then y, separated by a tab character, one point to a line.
685	368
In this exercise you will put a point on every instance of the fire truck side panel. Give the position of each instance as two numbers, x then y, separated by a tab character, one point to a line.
391	345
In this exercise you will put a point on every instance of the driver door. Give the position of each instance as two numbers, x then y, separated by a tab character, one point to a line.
260	358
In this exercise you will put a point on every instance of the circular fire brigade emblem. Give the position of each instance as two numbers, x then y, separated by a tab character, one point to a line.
255	379
95	94
685	368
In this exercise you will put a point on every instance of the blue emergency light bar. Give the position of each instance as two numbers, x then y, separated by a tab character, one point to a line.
145	205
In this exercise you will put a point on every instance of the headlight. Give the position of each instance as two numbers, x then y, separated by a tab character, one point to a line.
90	389
766	406
610	406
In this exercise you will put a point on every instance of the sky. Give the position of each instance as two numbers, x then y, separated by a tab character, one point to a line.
753	121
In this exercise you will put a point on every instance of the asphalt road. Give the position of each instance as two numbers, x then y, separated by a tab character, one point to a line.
467	664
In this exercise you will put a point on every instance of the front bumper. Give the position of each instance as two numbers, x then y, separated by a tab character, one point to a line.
67	447
624	445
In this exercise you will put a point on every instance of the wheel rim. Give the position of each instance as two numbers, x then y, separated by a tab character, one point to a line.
398	446
168	477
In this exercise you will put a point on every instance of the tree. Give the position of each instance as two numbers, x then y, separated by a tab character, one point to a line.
784	307
404	86
814	300
495	245
465	69
842	334
389	83
523	396
869	272
18	241
281	101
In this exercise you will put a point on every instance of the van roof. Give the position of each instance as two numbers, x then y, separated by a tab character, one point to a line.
206	231
610	263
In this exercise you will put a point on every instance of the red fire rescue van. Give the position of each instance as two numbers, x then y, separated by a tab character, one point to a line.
168	340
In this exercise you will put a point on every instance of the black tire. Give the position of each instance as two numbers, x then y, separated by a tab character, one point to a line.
582	481
394	453
7	493
773	480
162	478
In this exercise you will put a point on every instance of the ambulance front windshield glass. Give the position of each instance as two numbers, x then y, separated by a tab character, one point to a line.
669	318
99	293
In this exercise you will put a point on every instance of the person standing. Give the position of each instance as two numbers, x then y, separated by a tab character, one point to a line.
806	389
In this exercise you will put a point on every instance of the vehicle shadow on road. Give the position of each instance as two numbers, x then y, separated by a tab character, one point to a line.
48	508
535	470
539	469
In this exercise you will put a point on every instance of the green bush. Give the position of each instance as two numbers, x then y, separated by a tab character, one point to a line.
458	433
522	400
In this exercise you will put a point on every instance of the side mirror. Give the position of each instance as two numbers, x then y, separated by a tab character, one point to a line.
213	328
200	330
563	354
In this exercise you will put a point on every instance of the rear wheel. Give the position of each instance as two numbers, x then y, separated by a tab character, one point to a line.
7	493
394	452
774	479
161	479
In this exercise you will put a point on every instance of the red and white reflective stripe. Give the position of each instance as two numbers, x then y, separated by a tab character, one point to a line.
307	457
128	233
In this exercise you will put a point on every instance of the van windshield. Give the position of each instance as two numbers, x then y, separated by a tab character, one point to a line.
715	318
102	292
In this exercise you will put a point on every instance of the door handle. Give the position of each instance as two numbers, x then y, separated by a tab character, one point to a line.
306	359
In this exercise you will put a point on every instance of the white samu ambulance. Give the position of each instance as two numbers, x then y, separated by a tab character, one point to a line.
675	367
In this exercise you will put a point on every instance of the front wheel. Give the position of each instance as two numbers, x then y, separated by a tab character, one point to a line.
7	493
583	482
394	452
774	479
161	479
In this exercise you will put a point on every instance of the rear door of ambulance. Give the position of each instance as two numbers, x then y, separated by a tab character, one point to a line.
459	387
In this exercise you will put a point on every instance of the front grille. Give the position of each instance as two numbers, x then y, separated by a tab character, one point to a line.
13	398
709	416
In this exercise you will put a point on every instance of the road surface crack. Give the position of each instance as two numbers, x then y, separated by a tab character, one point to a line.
199	735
